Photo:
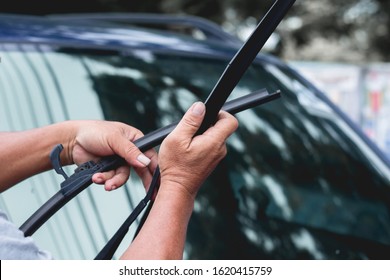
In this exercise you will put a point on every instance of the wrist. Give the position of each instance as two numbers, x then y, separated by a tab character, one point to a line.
175	190
67	132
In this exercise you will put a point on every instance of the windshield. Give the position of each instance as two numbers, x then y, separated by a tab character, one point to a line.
295	171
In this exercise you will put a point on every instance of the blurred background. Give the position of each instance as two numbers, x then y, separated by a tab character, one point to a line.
343	47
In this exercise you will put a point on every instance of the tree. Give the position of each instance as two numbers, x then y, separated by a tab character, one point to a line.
349	30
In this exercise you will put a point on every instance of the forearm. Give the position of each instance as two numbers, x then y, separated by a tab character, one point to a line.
185	161
164	232
26	153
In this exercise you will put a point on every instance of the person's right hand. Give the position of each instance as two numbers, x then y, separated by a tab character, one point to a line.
186	161
94	139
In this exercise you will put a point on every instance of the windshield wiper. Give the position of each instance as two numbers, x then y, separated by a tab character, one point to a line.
234	71
242	60
214	103
82	177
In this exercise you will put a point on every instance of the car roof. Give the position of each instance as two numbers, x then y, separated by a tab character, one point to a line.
94	33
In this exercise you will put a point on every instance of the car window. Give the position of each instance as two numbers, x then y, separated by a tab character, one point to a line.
39	86
298	182
293	162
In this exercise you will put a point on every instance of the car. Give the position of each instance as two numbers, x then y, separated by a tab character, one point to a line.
300	180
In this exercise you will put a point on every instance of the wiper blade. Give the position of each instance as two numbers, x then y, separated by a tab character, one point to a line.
218	96
233	107
234	71
82	177
242	60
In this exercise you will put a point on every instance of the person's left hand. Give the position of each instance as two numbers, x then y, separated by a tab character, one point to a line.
186	159
96	139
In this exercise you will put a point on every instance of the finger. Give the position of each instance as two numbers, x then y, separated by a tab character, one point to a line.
112	179
102	177
122	174
191	121
135	157
153	156
146	174
126	149
225	126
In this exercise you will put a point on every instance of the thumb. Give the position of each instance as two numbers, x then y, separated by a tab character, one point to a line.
191	120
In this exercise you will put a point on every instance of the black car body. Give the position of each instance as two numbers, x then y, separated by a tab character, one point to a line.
300	180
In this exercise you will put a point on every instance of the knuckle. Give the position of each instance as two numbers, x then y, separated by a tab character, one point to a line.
221	152
137	133
131	149
191	122
234	123
170	141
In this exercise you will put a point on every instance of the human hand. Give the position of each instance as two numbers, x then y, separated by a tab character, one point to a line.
96	139
185	161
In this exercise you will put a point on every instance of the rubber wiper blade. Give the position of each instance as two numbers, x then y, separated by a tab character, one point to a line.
234	71
218	96
82	177
233	107
242	60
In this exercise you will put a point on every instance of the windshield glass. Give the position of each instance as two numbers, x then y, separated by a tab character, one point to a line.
295	171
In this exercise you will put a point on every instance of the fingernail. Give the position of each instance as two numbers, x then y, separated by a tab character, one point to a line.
143	159
198	108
